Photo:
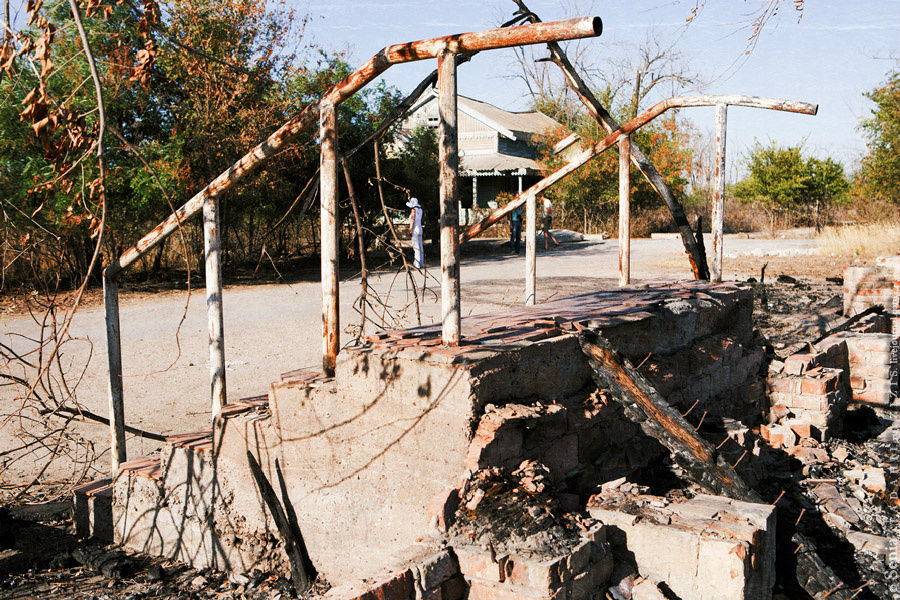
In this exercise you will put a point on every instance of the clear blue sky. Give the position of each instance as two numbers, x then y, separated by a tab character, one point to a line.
831	56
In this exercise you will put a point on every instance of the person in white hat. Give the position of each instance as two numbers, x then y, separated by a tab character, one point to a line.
415	232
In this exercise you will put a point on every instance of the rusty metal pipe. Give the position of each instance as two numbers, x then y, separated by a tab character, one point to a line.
633	125
518	35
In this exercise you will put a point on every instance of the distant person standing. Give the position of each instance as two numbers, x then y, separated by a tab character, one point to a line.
515	229
415	232
547	224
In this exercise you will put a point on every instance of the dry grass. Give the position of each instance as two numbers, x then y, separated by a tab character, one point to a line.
864	241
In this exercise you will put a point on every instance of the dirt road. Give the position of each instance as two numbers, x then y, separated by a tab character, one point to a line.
271	329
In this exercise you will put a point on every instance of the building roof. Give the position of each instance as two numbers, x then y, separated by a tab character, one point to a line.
497	164
511	124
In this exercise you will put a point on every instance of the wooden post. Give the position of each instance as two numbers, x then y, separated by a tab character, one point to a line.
114	360
213	250
448	158
329	225
624	210
718	201
530	249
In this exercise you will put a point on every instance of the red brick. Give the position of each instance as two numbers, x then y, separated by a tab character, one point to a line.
397	586
542	576
476	563
482	591
443	506
797	364
808	455
784	384
801	428
819	385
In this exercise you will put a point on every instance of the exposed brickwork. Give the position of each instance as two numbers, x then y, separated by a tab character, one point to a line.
580	572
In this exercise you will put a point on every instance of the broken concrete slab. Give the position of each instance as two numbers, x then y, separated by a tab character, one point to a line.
707	547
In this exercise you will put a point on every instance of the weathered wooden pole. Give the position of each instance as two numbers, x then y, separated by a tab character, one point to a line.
530	250
329	235
212	246
448	158
114	361
624	210
718	200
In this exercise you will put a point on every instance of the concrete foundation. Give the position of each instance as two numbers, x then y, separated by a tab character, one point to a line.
708	547
371	457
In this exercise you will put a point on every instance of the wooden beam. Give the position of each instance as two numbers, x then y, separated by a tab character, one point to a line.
117	448
718	199
330	240
643	405
624	211
448	158
212	245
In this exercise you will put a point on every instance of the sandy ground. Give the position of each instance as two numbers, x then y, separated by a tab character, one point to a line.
271	329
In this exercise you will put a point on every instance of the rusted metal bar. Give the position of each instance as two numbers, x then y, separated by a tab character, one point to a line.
580	87
530	250
448	158
718	199
631	126
212	245
624	210
117	449
329	236
375	66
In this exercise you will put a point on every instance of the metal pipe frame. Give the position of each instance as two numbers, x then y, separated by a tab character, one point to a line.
628	128
464	43
624	210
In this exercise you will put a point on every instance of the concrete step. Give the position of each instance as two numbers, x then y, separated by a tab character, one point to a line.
92	503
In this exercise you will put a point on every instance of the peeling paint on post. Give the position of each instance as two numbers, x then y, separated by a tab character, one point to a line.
530	250
718	200
114	362
213	249
624	210
329	236
448	159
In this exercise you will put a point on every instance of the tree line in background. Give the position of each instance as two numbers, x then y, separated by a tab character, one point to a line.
190	85
782	186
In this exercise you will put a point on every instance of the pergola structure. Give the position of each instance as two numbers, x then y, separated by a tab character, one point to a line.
450	51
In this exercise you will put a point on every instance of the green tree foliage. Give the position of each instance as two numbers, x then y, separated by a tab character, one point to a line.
189	88
879	177
416	168
782	178
593	190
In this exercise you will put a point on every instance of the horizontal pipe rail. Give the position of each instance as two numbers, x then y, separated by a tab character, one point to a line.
492	39
631	126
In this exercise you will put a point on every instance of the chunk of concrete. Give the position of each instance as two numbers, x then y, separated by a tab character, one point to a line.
709	547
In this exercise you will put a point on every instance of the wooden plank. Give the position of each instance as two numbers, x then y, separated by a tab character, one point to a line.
117	451
330	239
448	158
212	246
718	199
624	211
303	573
